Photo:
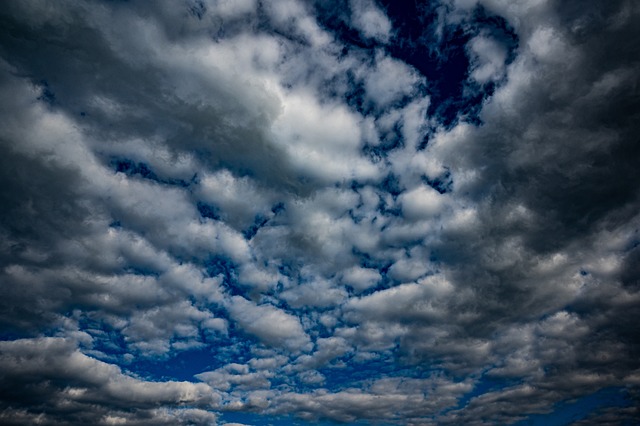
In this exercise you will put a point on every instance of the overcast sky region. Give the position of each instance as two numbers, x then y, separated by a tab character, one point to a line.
319	212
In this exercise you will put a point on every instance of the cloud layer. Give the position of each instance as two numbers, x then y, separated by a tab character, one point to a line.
325	211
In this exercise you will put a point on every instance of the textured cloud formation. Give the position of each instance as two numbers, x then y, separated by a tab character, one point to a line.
232	212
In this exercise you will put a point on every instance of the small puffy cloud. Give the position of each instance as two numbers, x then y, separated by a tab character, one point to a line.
327	350
236	377
389	81
422	202
311	377
547	44
261	279
370	20
319	294
360	278
100	391
489	57
270	325
406	301
408	269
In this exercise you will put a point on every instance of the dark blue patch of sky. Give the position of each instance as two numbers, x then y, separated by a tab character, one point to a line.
139	169
182	366
441	57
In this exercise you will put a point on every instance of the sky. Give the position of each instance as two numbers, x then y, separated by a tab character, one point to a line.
297	212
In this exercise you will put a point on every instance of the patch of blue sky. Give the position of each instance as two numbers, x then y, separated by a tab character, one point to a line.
497	27
106	339
390	141
197	9
353	374
443	183
440	54
259	221
368	260
219	265
208	210
333	15
217	351
14	334
46	95
141	270
568	412
142	170
390	184
355	94
182	366
483	385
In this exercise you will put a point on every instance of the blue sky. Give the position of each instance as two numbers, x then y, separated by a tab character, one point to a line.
298	212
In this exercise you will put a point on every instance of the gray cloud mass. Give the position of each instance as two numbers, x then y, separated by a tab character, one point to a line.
273	185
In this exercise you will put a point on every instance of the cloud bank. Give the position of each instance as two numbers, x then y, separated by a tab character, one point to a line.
230	212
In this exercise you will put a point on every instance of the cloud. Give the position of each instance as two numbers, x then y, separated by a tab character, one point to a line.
361	278
370	20
421	202
269	324
383	399
300	209
54	376
491	58
389	81
236	376
322	140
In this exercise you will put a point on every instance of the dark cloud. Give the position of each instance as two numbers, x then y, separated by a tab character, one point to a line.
47	380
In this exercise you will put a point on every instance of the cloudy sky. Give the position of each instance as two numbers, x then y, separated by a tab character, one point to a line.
254	212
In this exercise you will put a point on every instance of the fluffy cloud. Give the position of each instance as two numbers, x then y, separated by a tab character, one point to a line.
53	378
490	57
318	209
271	325
370	20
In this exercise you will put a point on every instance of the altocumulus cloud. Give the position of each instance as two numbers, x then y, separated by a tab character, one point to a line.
248	212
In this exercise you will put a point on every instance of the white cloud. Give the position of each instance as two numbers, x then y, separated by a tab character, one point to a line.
100	388
153	331
389	81
370	20
239	200
490	58
547	44
322	141
319	293
232	8
421	202
269	324
236	377
361	278
384	400
405	301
